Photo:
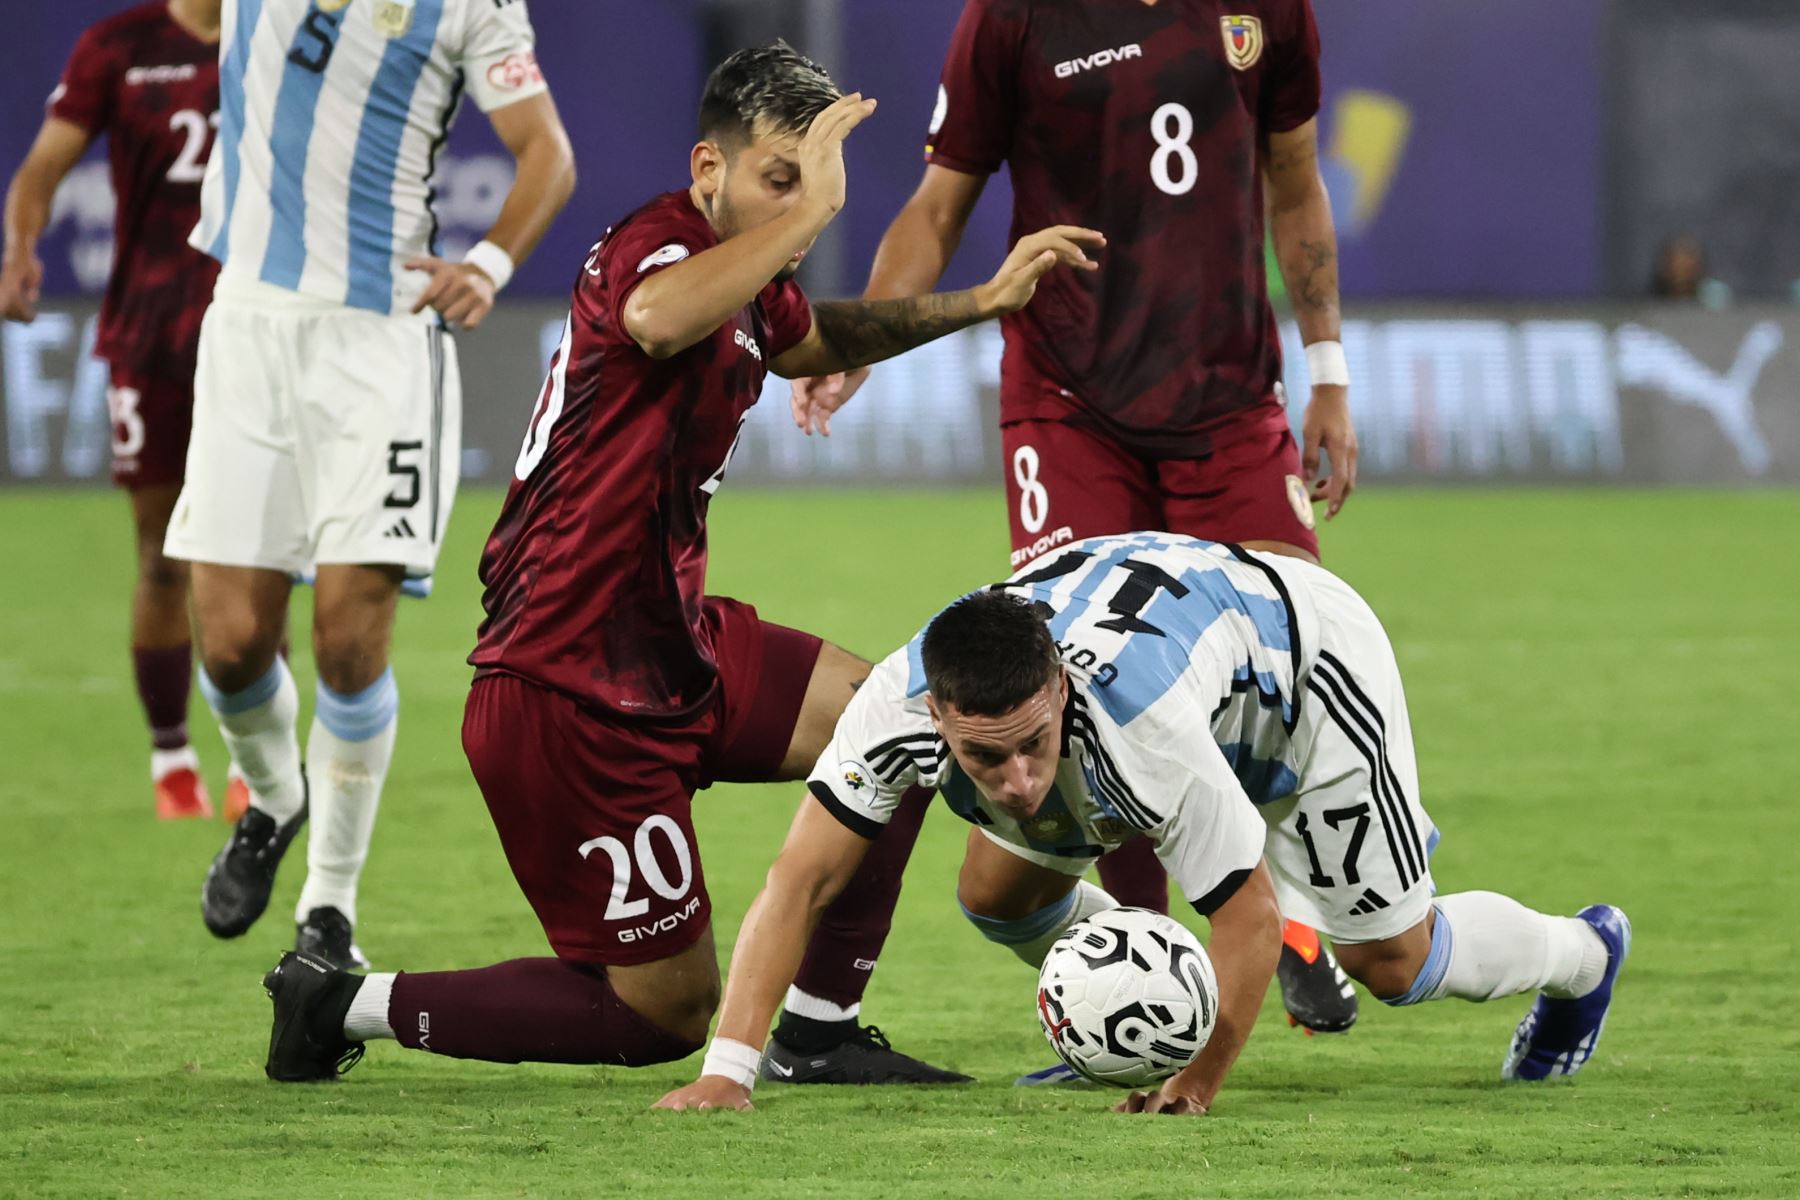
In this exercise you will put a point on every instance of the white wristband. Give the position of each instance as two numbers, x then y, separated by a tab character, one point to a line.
734	1060
491	261
1325	364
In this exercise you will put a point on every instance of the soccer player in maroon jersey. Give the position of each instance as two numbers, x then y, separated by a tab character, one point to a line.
147	79
609	687
1147	394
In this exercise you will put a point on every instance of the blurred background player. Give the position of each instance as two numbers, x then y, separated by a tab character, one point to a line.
327	408
147	79
609	687
1147	395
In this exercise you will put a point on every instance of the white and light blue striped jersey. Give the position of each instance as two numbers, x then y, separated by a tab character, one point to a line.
331	115
1185	660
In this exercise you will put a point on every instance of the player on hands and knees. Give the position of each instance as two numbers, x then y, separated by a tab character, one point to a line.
609	687
1147	395
1240	712
147	79
327	403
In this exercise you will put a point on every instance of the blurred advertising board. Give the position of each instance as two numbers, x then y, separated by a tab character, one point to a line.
1484	394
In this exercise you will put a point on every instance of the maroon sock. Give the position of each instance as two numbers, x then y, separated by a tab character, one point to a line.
1135	876
850	935
163	679
527	1010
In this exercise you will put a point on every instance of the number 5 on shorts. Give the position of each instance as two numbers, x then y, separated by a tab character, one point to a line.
621	909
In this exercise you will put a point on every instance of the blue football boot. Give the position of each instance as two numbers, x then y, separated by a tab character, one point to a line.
1557	1037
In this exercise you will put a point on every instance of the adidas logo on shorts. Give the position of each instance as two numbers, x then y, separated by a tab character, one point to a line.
401	529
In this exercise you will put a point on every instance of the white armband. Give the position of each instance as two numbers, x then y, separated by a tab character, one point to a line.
491	261
734	1060
1325	363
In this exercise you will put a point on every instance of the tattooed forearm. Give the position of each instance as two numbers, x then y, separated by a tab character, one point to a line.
859	332
1312	276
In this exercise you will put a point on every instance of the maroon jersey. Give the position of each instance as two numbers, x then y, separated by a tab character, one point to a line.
596	569
1146	123
153	89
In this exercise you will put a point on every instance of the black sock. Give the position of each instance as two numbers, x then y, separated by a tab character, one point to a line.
803	1035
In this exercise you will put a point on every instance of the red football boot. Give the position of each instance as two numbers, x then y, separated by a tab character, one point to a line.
181	794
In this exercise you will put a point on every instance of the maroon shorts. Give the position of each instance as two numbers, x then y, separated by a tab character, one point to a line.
594	810
152	414
1067	481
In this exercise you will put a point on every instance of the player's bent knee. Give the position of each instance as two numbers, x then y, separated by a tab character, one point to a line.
1393	969
233	663
349	664
678	995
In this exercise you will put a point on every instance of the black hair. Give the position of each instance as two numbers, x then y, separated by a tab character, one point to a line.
775	85
989	653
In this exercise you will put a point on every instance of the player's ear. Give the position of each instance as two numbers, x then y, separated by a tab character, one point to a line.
707	164
937	718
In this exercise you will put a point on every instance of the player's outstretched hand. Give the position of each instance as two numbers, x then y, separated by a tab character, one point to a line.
1032	258
815	399
463	294
1165	1101
1328	427
706	1094
822	150
21	279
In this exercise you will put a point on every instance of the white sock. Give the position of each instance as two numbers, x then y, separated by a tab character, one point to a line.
258	727
163	763
367	1020
347	757
817	1008
1498	947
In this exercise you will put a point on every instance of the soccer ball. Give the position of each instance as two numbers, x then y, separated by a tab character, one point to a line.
1127	997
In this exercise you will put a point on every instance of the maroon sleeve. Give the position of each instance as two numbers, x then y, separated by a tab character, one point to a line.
790	316
1291	92
972	127
637	251
84	94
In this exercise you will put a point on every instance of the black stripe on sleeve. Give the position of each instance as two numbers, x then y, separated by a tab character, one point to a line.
861	825
1214	900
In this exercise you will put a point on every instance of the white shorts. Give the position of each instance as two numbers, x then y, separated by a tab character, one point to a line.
1350	850
321	435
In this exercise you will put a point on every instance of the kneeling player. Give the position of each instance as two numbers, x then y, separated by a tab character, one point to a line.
1159	686
609	686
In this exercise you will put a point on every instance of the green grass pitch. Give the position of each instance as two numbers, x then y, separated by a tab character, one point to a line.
1603	690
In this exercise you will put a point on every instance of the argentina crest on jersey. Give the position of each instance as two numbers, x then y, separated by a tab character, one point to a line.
393	18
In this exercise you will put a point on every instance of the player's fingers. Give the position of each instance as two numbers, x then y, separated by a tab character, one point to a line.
1337	493
1132	1103
456	305
425	262
1309	457
829	125
1091	238
856	116
433	293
